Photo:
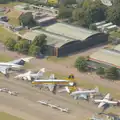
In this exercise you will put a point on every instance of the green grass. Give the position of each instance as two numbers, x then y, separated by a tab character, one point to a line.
6	116
88	85
11	4
13	21
56	59
5	34
5	58
115	34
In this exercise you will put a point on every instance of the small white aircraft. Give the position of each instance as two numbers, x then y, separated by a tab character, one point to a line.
106	101
13	93
82	93
63	109
43	102
52	82
5	66
4	90
30	76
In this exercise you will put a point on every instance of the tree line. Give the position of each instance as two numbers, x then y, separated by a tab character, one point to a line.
88	12
82	65
37	46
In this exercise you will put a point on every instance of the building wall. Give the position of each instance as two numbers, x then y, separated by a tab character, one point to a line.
48	22
76	46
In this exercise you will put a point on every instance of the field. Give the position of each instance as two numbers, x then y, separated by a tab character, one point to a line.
11	4
115	34
13	16
6	116
5	34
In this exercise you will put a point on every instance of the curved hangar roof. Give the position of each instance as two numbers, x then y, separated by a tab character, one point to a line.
60	34
73	32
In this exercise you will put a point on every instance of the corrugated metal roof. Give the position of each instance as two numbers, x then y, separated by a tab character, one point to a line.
76	33
52	39
107	57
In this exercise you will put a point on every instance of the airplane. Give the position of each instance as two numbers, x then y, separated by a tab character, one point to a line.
4	90
63	109
43	102
30	76
13	93
106	101
51	83
5	66
82	93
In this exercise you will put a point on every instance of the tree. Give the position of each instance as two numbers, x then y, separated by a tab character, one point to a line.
22	46
10	43
100	71
94	13
65	12
34	50
41	42
26	19
111	73
92	27
81	64
113	15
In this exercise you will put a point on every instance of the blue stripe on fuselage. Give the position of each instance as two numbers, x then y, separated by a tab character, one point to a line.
18	62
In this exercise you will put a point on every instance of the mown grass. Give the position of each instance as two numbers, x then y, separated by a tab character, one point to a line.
10	4
115	34
5	34
88	85
5	58
13	16
56	59
6	116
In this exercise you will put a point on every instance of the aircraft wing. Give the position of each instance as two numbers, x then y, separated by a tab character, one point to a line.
28	77
51	87
101	104
107	96
3	69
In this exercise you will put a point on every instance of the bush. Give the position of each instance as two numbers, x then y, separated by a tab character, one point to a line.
81	64
34	50
111	73
10	43
100	71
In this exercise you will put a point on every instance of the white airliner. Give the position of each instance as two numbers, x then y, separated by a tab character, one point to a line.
52	82
82	93
30	76
5	66
106	101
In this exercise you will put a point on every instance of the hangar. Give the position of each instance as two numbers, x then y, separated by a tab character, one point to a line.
64	39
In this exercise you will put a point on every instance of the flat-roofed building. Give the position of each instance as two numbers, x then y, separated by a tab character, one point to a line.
44	21
64	39
105	58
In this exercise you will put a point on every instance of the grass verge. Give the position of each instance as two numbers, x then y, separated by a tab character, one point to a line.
10	4
88	85
5	34
6	116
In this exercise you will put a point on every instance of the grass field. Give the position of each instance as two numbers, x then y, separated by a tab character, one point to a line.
11	4
88	85
5	34
6	116
13	16
80	82
115	34
5	58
